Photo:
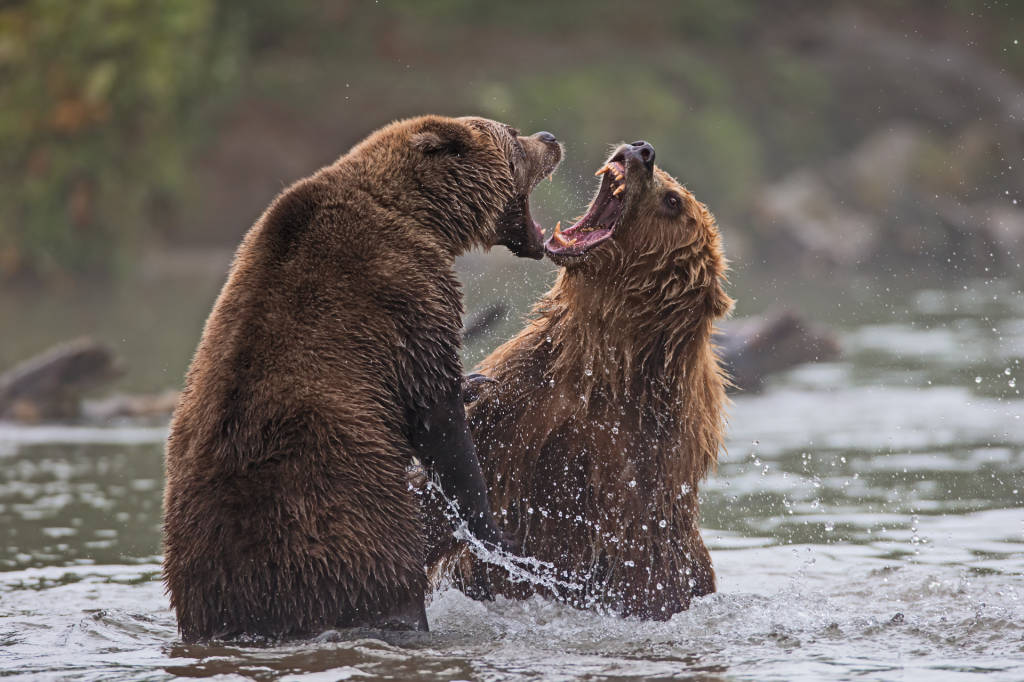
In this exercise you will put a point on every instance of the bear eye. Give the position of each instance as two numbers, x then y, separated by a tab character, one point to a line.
672	202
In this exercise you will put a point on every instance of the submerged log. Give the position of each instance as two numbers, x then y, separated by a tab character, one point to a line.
755	348
50	386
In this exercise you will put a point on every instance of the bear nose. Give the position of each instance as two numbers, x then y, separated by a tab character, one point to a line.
545	136
643	150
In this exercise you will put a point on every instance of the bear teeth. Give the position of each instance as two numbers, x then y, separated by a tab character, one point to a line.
557	236
617	177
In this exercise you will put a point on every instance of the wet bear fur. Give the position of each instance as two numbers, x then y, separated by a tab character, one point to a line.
329	360
606	414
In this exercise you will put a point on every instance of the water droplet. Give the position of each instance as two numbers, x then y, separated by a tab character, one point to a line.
589	372
615	430
662	523
977	380
632	484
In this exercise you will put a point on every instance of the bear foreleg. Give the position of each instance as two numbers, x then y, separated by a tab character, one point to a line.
444	444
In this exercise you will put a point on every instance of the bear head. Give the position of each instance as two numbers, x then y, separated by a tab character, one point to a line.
644	233
468	179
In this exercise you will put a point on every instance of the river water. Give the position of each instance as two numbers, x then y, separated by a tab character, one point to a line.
866	523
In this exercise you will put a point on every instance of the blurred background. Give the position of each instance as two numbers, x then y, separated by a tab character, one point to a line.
865	161
836	142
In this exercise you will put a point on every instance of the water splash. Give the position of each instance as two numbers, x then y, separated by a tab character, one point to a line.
519	569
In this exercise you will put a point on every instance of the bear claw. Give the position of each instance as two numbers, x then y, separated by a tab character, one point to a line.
471	386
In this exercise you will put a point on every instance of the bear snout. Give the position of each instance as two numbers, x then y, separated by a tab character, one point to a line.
639	153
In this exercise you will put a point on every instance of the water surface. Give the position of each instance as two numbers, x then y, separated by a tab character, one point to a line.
866	523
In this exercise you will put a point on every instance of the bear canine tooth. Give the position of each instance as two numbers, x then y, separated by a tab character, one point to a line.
619	190
602	170
557	236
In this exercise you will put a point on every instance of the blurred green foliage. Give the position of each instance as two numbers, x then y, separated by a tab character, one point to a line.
125	119
98	102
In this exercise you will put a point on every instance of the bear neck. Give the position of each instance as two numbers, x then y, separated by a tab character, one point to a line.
647	337
450	214
643	345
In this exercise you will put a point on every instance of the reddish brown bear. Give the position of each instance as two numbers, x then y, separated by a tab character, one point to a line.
331	359
608	406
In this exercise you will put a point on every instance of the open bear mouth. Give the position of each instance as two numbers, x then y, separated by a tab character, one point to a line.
598	224
517	229
538	231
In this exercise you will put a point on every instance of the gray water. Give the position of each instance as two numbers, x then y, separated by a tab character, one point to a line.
866	523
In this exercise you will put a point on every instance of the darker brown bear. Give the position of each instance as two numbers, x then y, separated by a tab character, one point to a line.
607	411
329	360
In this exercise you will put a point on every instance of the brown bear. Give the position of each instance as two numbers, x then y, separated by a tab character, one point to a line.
607	409
330	359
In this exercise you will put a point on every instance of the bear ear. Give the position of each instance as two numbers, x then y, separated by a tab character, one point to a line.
442	137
